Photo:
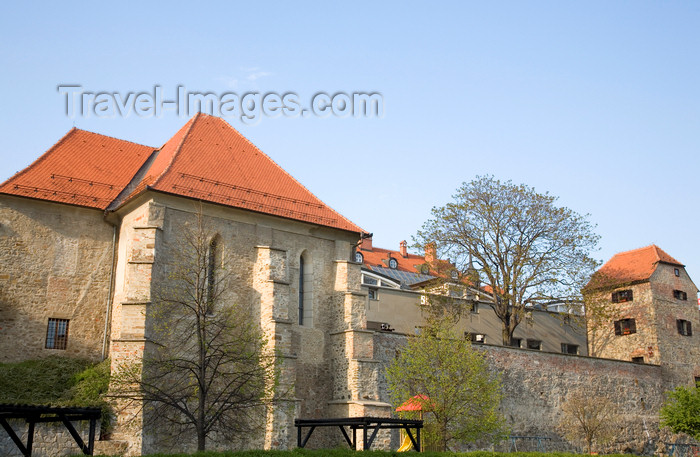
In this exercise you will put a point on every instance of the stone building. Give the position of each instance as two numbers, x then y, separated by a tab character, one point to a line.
398	284
85	236
87	232
651	305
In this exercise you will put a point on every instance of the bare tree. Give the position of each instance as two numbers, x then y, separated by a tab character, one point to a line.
206	369
588	420
529	252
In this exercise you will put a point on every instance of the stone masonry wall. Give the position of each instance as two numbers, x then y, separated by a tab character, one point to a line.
50	439
55	262
679	354
535	385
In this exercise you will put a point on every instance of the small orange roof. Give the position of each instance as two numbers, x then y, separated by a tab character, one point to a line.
380	257
210	160
631	266
83	169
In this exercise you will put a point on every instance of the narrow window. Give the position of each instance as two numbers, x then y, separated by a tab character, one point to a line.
475	307
622	296
676	271
625	327
57	334
684	327
301	291
680	295
534	344
638	359
567	348
212	262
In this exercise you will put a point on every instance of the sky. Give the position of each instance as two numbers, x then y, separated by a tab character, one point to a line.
595	102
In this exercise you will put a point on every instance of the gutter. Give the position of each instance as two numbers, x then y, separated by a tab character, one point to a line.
111	290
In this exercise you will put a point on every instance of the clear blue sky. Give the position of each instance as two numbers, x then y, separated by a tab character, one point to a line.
596	102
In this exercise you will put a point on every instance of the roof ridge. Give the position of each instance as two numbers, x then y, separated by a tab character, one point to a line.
289	175
177	150
41	157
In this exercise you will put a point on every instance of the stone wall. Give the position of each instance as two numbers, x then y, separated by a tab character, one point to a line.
56	263
50	439
535	385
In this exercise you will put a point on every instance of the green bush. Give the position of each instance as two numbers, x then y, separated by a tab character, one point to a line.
56	381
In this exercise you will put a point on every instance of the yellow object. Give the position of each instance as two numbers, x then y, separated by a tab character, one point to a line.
406	445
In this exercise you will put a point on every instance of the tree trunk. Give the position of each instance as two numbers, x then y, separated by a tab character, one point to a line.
507	332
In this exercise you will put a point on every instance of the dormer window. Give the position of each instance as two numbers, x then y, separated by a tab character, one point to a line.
454	274
359	258
680	295
393	264
622	296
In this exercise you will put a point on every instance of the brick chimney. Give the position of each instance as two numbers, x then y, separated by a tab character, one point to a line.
403	249
430	252
366	244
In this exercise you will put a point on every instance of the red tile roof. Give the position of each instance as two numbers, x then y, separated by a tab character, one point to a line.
210	160
83	169
631	266
206	159
379	257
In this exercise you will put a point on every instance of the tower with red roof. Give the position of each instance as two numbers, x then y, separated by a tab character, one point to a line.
642	307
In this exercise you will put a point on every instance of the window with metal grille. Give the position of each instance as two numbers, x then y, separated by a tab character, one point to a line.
684	327
57	334
680	295
622	296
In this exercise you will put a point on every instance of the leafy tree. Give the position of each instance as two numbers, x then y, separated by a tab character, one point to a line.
207	370
451	381
529	250
681	411
588	420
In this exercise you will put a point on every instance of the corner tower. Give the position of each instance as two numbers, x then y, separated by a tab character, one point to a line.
642	307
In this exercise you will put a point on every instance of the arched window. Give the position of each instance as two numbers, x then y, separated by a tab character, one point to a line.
301	290
305	290
213	263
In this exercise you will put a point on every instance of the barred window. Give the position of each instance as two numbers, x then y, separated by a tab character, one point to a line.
57	334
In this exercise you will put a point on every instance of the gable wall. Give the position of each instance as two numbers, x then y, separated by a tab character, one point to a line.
55	262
